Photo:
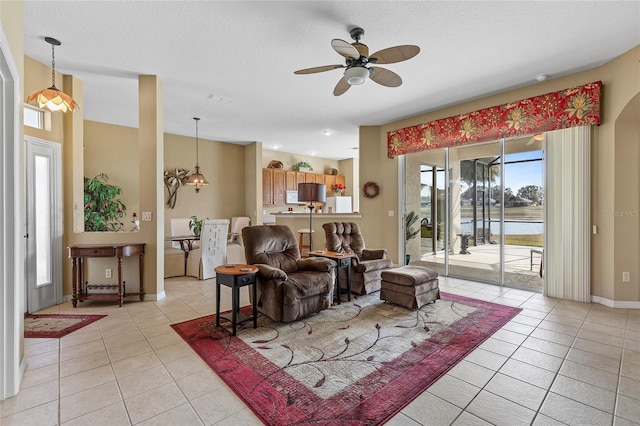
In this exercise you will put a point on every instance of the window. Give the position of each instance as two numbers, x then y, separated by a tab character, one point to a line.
37	118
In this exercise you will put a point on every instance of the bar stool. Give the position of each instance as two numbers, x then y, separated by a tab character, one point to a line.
303	232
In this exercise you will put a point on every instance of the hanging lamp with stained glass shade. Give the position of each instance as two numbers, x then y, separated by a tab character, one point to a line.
197	179
52	98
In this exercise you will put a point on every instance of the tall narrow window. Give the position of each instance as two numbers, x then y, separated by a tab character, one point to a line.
43	220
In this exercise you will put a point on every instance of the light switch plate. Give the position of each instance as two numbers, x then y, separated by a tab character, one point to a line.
146	216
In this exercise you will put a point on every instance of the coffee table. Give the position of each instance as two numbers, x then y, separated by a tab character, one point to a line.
236	276
343	260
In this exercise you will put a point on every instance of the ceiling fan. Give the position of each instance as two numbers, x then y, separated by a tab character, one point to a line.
357	58
535	138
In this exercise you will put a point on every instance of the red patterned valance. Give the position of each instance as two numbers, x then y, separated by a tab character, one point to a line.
578	106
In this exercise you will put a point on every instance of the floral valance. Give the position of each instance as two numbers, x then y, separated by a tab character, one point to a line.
578	106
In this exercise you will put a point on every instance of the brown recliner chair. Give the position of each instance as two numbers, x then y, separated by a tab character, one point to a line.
345	237
289	287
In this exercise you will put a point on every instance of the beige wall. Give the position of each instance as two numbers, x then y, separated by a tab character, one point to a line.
223	165
113	150
613	184
288	159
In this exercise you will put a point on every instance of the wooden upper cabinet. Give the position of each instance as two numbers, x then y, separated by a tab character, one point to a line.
279	187
329	180
276	183
292	181
300	178
267	187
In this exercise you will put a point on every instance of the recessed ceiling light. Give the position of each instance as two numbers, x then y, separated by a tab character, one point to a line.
326	132
275	146
542	77
312	153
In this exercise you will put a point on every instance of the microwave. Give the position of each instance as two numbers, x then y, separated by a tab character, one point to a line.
292	198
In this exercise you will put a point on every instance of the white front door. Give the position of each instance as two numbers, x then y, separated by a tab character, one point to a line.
44	224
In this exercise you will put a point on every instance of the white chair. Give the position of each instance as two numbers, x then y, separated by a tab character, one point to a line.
235	244
180	227
212	251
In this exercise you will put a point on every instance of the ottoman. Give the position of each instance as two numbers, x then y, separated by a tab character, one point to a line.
410	286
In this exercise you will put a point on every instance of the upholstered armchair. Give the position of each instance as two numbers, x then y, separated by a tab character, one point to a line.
289	287
366	267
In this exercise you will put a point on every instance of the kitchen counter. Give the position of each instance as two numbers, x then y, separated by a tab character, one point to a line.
317	215
299	220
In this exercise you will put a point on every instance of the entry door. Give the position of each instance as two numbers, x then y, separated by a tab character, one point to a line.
44	224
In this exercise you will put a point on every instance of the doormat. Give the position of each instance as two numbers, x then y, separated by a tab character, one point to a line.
356	363
54	326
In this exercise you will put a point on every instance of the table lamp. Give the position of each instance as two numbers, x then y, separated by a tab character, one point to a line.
312	194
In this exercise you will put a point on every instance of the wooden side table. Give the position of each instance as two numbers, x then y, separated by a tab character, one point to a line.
236	276
343	260
79	252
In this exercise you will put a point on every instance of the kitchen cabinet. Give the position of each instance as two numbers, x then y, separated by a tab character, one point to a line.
273	187
330	181
267	187
276	183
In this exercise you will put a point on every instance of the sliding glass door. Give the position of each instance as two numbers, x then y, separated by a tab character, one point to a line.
481	211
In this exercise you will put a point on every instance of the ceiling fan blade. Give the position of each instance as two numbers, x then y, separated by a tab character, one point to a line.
395	54
385	77
318	69
341	87
345	49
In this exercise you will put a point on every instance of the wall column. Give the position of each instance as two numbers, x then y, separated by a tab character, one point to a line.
151	146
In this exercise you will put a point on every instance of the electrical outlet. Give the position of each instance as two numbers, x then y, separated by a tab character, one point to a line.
107	273
146	216
626	277
390	213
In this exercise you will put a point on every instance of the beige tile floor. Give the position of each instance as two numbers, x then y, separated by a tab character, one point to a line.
557	362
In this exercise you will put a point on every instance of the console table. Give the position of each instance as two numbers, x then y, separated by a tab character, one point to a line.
79	252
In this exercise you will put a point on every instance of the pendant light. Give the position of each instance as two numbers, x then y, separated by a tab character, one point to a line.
52	98
197	179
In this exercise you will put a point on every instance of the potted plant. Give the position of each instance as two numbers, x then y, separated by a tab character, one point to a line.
302	166
410	233
195	225
103	211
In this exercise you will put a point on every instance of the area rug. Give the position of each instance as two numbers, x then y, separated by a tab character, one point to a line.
54	326
357	363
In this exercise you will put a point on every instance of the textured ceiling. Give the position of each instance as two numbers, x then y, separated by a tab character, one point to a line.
231	62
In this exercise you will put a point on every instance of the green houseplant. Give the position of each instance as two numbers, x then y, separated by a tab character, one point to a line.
103	210
410	232
195	225
302	165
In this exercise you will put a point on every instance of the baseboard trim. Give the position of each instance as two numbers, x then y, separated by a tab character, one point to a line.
147	296
619	304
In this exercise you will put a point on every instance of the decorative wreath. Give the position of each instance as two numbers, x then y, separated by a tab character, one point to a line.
370	190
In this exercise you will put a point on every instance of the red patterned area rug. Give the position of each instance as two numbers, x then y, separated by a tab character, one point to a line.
54	326
357	363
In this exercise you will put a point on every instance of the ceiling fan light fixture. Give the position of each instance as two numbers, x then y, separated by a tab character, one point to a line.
52	98
356	75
